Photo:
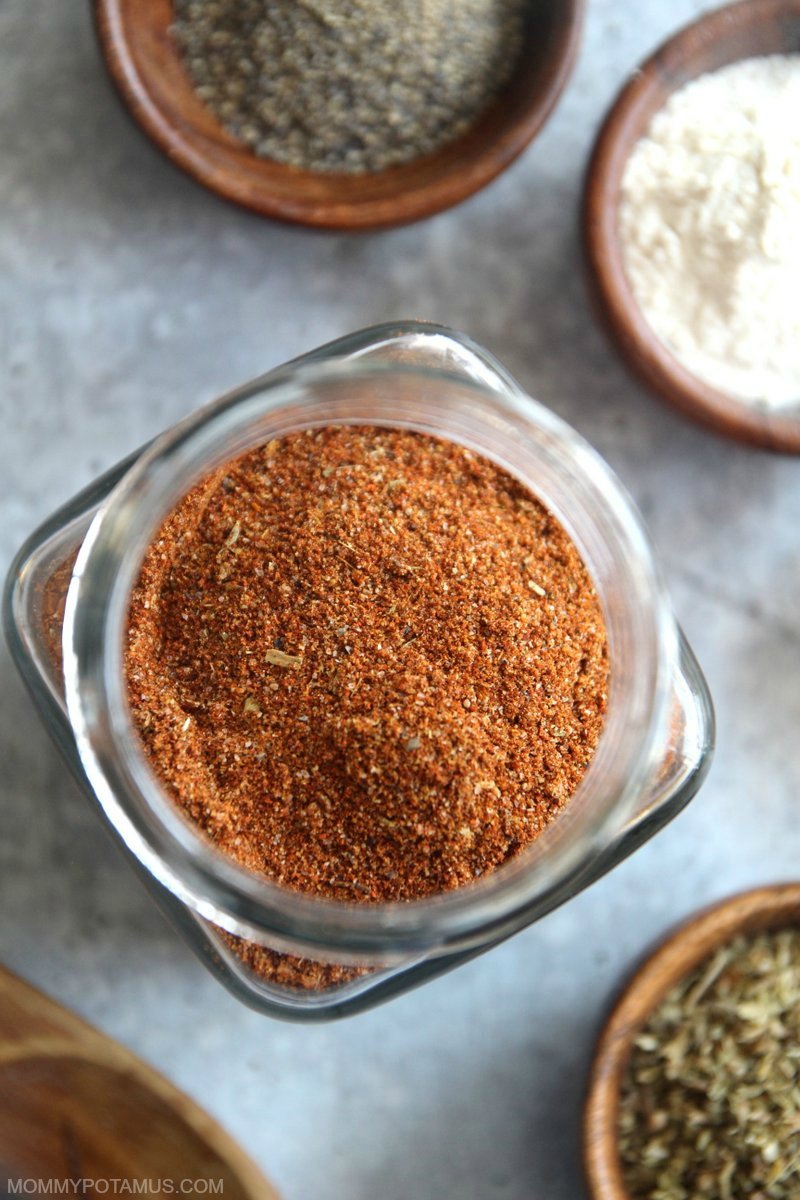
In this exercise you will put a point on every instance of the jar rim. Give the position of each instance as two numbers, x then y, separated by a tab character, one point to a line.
597	513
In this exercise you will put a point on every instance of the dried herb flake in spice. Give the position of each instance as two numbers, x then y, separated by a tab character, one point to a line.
710	1105
388	681
355	86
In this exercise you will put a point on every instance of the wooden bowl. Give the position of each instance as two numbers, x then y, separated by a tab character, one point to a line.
746	29
683	951
146	68
76	1105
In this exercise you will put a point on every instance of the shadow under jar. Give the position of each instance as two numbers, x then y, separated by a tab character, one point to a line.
652	756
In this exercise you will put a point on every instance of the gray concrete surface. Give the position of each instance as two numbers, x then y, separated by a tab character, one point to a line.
127	296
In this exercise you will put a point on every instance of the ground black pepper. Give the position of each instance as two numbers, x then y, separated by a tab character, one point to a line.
355	86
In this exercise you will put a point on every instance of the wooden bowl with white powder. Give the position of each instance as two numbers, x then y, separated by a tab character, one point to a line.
692	221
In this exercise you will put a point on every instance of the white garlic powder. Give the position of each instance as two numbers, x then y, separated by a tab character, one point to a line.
710	228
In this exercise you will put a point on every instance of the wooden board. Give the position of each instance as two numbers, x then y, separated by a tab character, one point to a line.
76	1105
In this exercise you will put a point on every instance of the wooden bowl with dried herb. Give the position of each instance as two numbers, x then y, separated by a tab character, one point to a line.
360	115
695	1087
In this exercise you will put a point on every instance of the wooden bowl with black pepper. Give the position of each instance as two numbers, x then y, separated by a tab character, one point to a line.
151	75
742	30
684	951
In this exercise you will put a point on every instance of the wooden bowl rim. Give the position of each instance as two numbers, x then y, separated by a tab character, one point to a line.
619	309
52	1032
183	1109
683	949
413	198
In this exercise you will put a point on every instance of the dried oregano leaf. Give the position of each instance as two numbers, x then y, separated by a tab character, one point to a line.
278	659
710	1105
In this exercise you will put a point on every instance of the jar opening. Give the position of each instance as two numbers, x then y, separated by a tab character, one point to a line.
523	438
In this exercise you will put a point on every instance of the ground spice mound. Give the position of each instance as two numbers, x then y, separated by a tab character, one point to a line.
367	663
290	971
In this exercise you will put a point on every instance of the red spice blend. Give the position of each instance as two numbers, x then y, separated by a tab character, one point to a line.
367	663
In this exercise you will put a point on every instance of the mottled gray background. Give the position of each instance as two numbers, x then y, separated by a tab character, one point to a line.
127	296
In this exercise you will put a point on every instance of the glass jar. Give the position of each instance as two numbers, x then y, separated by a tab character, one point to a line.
653	754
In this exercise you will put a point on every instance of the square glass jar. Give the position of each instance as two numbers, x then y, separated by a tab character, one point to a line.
653	754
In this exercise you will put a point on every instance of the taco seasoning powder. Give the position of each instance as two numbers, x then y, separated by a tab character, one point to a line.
368	664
